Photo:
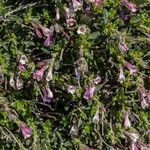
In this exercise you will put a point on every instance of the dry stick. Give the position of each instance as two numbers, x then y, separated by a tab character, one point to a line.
19	8
105	142
19	143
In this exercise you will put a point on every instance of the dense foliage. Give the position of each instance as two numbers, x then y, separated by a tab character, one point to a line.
74	74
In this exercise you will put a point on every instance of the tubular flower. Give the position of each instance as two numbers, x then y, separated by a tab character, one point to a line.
121	78
49	75
126	121
38	74
23	60
144	146
131	6
97	80
98	3
69	17
21	67
57	14
74	130
133	145
47	94
82	30
123	48
145	99
76	5
26	132
71	89
19	84
48	33
12	81
96	116
130	67
38	33
89	92
78	74
132	136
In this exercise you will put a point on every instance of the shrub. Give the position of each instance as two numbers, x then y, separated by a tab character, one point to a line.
74	74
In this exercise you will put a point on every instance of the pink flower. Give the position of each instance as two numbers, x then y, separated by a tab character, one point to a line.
38	33
47	41
21	67
132	136
98	3
121	78
69	17
70	21
89	92
133	145
130	67
131	6
26	132
12	81
47	94
38	74
144	146
123	48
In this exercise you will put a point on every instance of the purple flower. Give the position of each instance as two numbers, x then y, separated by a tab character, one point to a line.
89	92
78	74
47	41
123	15
47	94
133	145
130	67
123	48
26	132
38	74
131	6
